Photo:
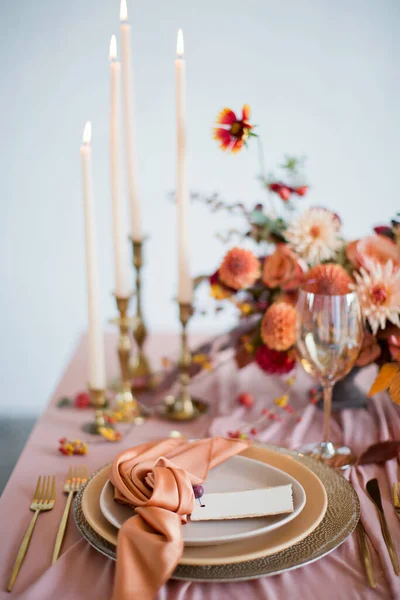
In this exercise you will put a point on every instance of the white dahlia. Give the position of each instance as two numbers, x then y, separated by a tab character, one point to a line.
314	235
379	293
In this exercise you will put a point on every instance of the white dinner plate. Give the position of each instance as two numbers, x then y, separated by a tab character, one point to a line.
235	475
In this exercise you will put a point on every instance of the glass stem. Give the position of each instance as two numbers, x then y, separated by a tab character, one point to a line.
327	392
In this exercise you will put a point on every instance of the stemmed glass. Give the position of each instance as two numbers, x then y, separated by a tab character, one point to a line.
329	339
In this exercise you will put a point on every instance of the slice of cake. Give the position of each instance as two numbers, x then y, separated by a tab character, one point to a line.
243	505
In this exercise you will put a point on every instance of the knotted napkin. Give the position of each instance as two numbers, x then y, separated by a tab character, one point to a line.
156	480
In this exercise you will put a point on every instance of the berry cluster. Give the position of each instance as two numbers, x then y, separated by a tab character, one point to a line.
285	191
70	447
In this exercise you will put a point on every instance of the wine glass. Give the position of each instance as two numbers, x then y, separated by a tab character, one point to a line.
329	339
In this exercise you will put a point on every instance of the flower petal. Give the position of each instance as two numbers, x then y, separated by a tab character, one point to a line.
246	112
226	117
237	146
223	136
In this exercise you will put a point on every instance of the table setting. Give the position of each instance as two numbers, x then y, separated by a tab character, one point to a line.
261	462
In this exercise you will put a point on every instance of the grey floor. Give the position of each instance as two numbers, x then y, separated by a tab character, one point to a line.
13	436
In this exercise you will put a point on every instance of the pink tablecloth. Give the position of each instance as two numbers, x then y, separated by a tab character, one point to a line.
81	573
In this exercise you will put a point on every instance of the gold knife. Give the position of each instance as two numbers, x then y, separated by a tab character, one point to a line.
375	495
365	554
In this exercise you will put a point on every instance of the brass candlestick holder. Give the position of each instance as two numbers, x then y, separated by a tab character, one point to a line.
140	371
124	396
98	399
183	407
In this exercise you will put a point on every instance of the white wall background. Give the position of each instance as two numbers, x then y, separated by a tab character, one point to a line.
322	78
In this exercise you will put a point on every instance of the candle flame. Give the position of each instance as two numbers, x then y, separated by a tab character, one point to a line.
113	48
87	133
123	13
179	44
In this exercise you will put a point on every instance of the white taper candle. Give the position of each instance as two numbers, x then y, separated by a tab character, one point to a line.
129	123
185	287
97	374
122	276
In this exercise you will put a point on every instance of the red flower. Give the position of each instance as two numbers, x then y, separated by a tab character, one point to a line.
235	131
274	362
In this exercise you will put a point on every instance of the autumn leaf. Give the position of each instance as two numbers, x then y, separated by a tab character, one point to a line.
394	388
384	378
380	452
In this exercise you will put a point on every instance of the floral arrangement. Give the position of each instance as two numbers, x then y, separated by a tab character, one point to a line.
304	248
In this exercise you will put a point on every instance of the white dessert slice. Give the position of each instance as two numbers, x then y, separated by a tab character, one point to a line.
243	505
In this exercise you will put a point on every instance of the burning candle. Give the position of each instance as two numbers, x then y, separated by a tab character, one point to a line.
97	374
185	287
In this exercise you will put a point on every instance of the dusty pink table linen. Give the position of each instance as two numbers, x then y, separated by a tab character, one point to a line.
82	573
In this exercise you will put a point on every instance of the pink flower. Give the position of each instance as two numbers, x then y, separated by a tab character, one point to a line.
379	293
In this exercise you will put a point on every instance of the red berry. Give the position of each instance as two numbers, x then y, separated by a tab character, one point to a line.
234	434
284	193
246	399
62	440
82	400
265	411
253	431
275	187
302	190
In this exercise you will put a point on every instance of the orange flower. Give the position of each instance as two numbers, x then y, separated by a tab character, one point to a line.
235	131
374	248
281	269
370	350
330	279
240	269
278	327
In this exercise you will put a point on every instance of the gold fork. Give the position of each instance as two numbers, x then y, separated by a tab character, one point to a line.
396	499
76	477
43	499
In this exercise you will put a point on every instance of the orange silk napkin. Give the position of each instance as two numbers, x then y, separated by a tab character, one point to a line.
156	479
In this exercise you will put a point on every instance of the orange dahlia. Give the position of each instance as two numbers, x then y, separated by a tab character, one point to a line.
234	133
278	327
330	279
240	269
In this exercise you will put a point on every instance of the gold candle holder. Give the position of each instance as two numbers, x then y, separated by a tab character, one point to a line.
183	407
98	400
140	371
124	396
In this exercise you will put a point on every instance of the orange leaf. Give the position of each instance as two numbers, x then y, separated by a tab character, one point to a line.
384	378
394	388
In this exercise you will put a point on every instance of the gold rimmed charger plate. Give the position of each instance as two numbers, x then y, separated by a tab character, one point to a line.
315	532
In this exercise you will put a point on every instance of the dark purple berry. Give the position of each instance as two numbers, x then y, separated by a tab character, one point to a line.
198	491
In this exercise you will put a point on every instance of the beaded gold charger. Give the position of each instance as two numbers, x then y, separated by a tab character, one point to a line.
340	520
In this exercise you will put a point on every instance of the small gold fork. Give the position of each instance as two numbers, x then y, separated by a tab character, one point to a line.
43	499
396	499
76	477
